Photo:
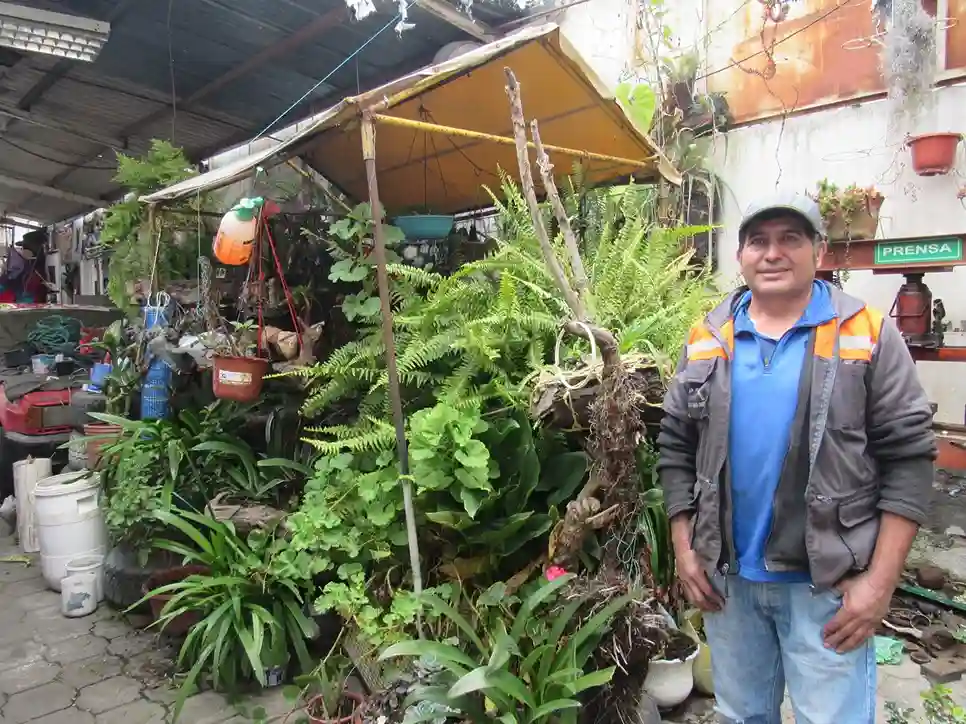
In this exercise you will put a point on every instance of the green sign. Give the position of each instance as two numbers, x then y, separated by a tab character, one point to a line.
919	251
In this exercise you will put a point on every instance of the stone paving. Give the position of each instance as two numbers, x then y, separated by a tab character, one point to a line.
93	670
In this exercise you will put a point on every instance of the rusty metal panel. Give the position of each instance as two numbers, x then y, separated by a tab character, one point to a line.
802	61
956	35
821	52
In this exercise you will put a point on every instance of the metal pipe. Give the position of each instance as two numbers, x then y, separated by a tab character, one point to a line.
395	396
647	162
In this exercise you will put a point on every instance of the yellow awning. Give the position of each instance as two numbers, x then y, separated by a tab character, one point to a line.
444	173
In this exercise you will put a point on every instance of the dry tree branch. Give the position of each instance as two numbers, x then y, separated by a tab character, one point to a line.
526	182
570	239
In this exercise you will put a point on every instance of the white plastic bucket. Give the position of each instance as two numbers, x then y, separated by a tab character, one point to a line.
78	595
70	523
93	565
26	473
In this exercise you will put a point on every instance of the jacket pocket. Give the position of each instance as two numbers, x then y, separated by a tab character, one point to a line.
859	520
842	535
706	531
847	405
697	385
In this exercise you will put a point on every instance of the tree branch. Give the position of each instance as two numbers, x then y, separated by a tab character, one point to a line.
526	182
570	239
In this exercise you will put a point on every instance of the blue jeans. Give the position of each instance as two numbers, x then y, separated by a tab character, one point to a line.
769	635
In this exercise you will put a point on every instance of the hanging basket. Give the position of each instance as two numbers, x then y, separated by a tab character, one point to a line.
238	378
933	154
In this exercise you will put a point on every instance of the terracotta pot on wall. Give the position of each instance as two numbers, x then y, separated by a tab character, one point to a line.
933	154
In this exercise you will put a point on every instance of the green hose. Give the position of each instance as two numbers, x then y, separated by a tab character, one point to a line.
54	334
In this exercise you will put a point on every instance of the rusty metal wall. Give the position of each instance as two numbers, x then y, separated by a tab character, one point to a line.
821	52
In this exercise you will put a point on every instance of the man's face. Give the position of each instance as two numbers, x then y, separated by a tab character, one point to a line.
779	256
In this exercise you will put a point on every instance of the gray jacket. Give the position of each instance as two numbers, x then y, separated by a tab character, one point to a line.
861	442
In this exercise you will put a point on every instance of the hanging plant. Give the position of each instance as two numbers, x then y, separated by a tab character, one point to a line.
908	55
139	252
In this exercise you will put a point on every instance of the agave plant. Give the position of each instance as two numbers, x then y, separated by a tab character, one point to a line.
511	674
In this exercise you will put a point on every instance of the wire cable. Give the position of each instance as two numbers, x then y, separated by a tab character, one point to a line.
49	159
765	51
335	70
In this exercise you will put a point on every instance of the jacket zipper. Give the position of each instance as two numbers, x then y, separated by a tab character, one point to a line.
727	535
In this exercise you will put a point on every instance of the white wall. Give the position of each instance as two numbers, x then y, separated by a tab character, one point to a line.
850	145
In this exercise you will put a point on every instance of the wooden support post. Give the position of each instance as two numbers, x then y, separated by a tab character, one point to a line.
395	396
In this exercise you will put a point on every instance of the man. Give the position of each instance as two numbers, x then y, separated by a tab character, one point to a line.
796	456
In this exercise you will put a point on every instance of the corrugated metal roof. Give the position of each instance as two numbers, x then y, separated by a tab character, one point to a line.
224	96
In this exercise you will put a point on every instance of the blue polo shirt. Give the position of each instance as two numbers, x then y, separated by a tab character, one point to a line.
765	376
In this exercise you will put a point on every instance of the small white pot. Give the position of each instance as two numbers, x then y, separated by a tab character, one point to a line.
78	595
669	683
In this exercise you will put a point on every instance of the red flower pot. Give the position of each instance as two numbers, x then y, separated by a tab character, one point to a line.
179	625
933	153
238	378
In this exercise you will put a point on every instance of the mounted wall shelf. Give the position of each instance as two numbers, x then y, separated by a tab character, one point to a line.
898	256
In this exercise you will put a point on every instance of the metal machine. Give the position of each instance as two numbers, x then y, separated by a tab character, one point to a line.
920	318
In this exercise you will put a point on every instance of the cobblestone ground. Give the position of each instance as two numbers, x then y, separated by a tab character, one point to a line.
92	670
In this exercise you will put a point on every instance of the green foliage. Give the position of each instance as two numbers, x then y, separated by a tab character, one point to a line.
250	603
938	705
639	103
154	465
446	455
119	385
476	337
349	244
135	249
526	673
655	527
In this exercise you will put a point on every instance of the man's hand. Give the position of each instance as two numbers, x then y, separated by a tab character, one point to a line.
864	604
690	570
695	581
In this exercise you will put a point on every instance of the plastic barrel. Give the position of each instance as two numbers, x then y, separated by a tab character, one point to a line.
70	522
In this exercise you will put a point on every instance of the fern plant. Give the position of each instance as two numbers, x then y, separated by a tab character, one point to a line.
476	338
135	250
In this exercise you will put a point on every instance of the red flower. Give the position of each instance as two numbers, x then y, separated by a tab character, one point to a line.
555	572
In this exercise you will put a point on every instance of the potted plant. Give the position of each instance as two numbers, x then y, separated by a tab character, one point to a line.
248	597
670	673
238	371
182	623
851	212
119	385
933	154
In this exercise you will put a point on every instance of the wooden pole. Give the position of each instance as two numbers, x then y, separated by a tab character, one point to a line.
395	397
